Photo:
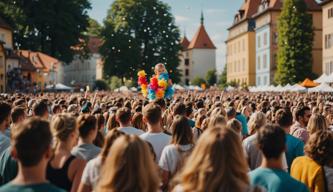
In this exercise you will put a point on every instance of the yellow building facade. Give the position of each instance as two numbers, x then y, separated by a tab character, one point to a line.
6	41
327	37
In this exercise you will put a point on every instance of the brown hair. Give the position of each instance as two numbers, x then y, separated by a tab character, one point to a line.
235	125
137	121
181	131
317	123
31	139
217	163
320	147
124	115
129	168
110	137
86	123
152	113
112	122
62	125
16	113
217	120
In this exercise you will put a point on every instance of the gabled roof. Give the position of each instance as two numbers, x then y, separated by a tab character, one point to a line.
201	40
3	24
39	60
184	43
312	5
326	2
247	10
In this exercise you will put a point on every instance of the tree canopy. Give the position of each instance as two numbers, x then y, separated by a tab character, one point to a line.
143	29
49	26
295	42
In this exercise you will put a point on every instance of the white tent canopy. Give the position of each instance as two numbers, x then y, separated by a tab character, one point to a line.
58	87
178	87
322	79
324	87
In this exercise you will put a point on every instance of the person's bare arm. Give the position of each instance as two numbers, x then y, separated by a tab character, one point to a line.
78	167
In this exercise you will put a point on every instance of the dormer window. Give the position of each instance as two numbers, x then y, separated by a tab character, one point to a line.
263	5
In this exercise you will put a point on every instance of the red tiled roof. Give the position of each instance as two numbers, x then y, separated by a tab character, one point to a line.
3	24
247	10
201	40
312	5
39	60
184	43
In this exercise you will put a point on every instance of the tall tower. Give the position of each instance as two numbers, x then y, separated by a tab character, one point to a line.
198	56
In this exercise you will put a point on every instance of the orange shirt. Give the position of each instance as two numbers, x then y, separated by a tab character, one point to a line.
307	171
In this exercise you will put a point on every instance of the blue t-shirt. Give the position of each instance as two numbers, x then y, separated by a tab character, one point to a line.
242	119
275	180
295	148
43	187
191	123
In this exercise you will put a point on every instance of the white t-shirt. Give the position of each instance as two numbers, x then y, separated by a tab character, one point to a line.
158	141
131	131
91	172
170	157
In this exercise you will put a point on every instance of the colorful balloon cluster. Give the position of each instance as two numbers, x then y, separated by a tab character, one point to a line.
157	88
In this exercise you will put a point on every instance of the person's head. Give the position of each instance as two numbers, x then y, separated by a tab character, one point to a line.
302	115
179	109
235	125
87	126
181	131
110	137
5	109
159	69
56	109
161	102
137	121
271	141
31	142
124	116
40	109
152	114
320	147
18	115
284	118
257	120
100	121
112	122
231	113
129	153
199	119
317	123
217	163
217	120
64	129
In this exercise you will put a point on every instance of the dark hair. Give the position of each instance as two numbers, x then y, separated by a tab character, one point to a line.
200	104
189	109
31	139
4	111
181	131
271	140
284	117
16	113
39	108
300	111
160	102
179	109
124	115
231	112
320	147
86	123
152	113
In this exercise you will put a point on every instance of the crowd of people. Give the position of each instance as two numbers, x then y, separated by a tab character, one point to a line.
198	141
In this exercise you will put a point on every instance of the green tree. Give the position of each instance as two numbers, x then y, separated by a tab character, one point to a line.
115	82
295	43
139	34
49	26
223	82
198	81
94	28
101	85
211	78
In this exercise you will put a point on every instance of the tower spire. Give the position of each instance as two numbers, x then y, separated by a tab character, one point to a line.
202	18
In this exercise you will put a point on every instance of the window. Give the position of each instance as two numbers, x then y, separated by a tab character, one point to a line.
259	42
265	61
330	13
2	37
239	66
187	81
1	62
331	67
243	45
276	38
258	81
265	39
187	72
243	64
239	46
328	41
187	62
1	76
235	66
265	80
258	63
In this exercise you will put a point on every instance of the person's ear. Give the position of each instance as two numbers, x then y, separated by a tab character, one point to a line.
49	153
13	153
144	119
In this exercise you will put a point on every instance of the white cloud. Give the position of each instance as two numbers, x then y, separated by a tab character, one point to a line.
181	19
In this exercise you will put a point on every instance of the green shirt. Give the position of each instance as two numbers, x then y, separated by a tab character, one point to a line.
8	167
275	180
43	187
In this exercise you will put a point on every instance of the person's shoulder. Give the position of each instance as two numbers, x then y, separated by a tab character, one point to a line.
52	188
295	184
294	139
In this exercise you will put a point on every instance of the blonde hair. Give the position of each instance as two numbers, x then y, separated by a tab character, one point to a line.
62	125
217	120
257	120
217	163
235	125
317	123
129	168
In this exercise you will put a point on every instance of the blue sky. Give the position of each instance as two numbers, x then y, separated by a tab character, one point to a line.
218	16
